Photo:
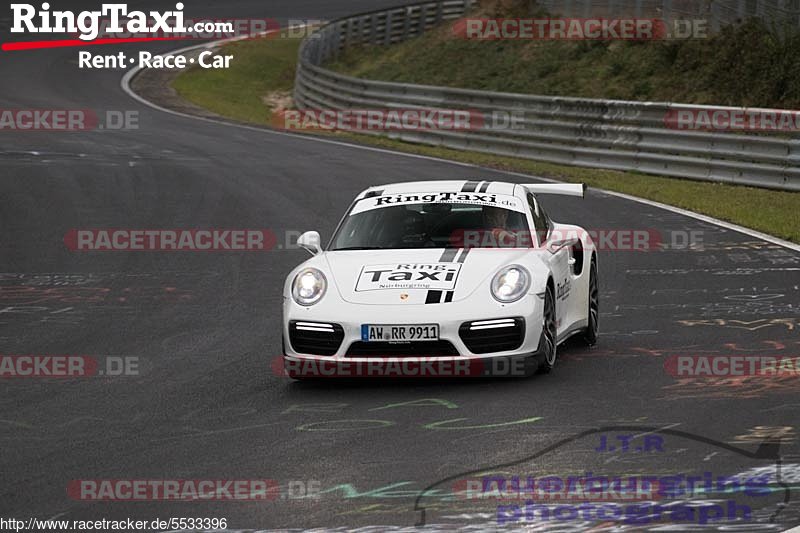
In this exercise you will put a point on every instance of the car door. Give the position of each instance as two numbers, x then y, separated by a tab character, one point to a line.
559	262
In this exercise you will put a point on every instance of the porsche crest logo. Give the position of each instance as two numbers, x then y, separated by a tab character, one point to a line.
404	297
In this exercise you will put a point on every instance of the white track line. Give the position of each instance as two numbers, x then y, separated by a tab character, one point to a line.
129	75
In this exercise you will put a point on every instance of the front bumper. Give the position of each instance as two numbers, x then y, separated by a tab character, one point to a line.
347	319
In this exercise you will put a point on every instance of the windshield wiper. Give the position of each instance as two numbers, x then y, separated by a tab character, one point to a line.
356	248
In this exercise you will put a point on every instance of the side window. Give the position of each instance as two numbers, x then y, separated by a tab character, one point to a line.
541	222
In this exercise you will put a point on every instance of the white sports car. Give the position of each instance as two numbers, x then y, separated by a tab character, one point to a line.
443	270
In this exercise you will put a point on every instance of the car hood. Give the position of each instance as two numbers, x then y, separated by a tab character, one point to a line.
416	277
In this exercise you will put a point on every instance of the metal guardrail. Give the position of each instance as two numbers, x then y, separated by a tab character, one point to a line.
610	134
718	13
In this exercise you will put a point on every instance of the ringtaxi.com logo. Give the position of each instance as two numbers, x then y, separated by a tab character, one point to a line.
115	21
67	120
87	23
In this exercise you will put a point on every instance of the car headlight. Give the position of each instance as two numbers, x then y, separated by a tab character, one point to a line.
510	284
309	286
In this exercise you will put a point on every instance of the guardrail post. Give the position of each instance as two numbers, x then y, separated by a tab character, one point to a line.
318	51
423	17
439	9
387	33
373	29
742	9
360	30
406	23
326	50
349	38
336	41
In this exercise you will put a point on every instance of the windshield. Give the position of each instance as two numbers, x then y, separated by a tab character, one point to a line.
432	225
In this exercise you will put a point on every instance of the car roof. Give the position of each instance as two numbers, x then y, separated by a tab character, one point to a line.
471	185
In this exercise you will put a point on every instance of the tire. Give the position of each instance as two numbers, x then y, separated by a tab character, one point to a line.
592	330
549	343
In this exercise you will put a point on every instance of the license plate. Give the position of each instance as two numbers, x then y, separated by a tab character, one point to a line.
399	332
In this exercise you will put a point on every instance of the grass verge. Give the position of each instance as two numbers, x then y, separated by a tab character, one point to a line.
261	76
746	65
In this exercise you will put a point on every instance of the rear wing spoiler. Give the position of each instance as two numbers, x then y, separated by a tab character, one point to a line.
566	189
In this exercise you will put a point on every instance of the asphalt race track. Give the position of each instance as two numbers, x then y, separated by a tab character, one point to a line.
205	328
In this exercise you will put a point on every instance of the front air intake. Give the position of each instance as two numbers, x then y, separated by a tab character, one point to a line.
490	336
315	338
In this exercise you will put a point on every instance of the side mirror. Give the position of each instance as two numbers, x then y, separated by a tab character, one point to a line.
310	242
557	244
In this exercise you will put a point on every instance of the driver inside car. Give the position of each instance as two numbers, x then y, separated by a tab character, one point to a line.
495	221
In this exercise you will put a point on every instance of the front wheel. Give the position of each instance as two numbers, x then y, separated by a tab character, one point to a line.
591	332
549	338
